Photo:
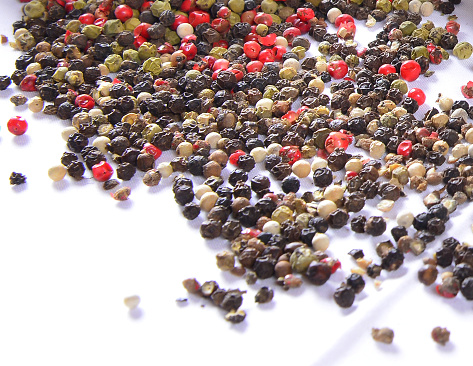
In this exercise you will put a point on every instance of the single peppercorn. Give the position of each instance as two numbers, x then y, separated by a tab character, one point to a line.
344	296
17	179
375	226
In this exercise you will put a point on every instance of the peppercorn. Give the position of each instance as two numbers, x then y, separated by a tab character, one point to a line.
264	295
344	296
356	253
356	282
323	177
358	223
17	178
427	274
375	226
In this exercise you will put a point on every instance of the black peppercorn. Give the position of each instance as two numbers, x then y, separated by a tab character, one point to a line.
344	296
318	273
322	177
264	267
375	225
392	260
17	178
356	253
210	229
357	224
356	282
191	210
76	169
238	175
290	184
338	218
231	229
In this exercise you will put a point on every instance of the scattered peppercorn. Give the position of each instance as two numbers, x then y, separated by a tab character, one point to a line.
17	179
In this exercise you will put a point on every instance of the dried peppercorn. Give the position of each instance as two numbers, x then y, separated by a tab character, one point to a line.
357	224
318	273
344	296
17	178
322	177
375	226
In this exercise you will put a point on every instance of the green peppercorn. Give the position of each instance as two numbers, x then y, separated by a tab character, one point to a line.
34	9
131	55
147	50
301	258
74	77
217	52
205	4
159	6
131	24
153	66
172	37
400	5
113	27
401	85
238	6
324	47
25	41
91	31
150	130
384	5
407	28
270	91
436	34
113	62
419	51
463	50
116	48
269	6
352	61
73	26
420	33
287	73
299	51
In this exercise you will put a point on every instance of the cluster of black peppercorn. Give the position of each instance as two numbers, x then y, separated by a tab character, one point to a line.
177	105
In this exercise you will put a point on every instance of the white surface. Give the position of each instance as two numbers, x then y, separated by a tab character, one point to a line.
69	255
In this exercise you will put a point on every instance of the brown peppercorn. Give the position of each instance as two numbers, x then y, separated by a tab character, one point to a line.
428	274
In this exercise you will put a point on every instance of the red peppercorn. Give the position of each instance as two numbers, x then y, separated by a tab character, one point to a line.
238	73
467	90
333	263
152	150
452	27
278	52
100	22
337	69
102	171
188	6
210	60
248	16
346	30
84	101
233	158
17	125
290	116
123	12
292	153
336	139
305	14
386	69
291	18
165	48
224	12
350	174
252	49
189	49
139	41
142	30
179	19
268	40
266	56
146	5
251	232
443	293
220	25
291	33
303	27
254	66
417	94
220	64
410	70
221	43
87	18
28	83
343	18
263	18
198	17
405	148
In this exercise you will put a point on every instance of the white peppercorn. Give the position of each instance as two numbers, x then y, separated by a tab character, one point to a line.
272	227
405	218
273	149
165	169
377	149
132	302
259	154
416	170
301	168
445	103
414	6
320	242
325	208
334	193
459	113
57	173
469	136
354	165
459	150
208	200
332	14
200	190
68	131
101	143
36	104
212	138
318	163
426	9
184	149
184	29
385	205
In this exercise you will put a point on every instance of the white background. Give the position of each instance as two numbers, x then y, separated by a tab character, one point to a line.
70	254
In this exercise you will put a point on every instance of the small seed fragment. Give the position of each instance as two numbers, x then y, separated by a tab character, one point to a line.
440	335
383	335
132	302
264	295
121	194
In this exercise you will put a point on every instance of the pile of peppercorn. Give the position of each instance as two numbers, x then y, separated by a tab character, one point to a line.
216	82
